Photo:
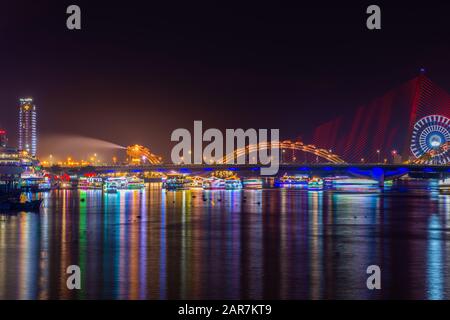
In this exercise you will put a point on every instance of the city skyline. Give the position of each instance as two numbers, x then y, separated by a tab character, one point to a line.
400	107
137	78
246	151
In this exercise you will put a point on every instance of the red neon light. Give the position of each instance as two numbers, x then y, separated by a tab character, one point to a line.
90	175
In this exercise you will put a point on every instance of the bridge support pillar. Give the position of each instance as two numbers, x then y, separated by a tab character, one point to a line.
381	180
378	174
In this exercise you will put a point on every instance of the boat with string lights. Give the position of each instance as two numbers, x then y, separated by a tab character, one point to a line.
214	183
252	183
35	181
444	186
233	183
134	183
287	181
90	183
315	184
112	185
175	181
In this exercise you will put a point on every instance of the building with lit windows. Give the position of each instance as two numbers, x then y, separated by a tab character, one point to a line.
27	126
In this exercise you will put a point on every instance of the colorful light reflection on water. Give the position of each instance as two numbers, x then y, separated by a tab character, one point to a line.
250	244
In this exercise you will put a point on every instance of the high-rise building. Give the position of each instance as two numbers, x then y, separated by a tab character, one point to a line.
3	138
27	126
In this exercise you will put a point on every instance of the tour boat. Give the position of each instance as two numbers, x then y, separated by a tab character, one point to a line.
291	181
345	181
120	183
233	183
253	183
35	182
315	184
92	183
135	183
214	183
175	182
110	187
444	185
44	185
194	182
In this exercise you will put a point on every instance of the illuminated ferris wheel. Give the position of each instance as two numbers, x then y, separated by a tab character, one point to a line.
430	141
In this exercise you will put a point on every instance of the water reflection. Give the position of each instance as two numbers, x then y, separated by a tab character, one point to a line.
250	244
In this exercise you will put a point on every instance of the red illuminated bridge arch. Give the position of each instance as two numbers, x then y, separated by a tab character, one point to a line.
286	145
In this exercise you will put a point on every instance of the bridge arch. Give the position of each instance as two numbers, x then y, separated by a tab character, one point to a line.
285	145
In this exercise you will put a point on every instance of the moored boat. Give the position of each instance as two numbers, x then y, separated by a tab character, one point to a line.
315	184
444	185
345	181
214	183
110	187
252	183
194	182
233	183
91	183
135	183
291	181
173	182
35	182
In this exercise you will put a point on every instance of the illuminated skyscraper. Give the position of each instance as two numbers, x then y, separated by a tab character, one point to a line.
27	126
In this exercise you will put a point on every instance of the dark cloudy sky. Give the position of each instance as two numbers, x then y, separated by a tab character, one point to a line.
140	69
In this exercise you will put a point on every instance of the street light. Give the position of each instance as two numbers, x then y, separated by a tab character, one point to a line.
394	154
378	155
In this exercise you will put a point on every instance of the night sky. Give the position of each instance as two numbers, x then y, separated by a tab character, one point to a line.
140	69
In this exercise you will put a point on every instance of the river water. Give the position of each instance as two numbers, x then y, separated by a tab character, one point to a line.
249	244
